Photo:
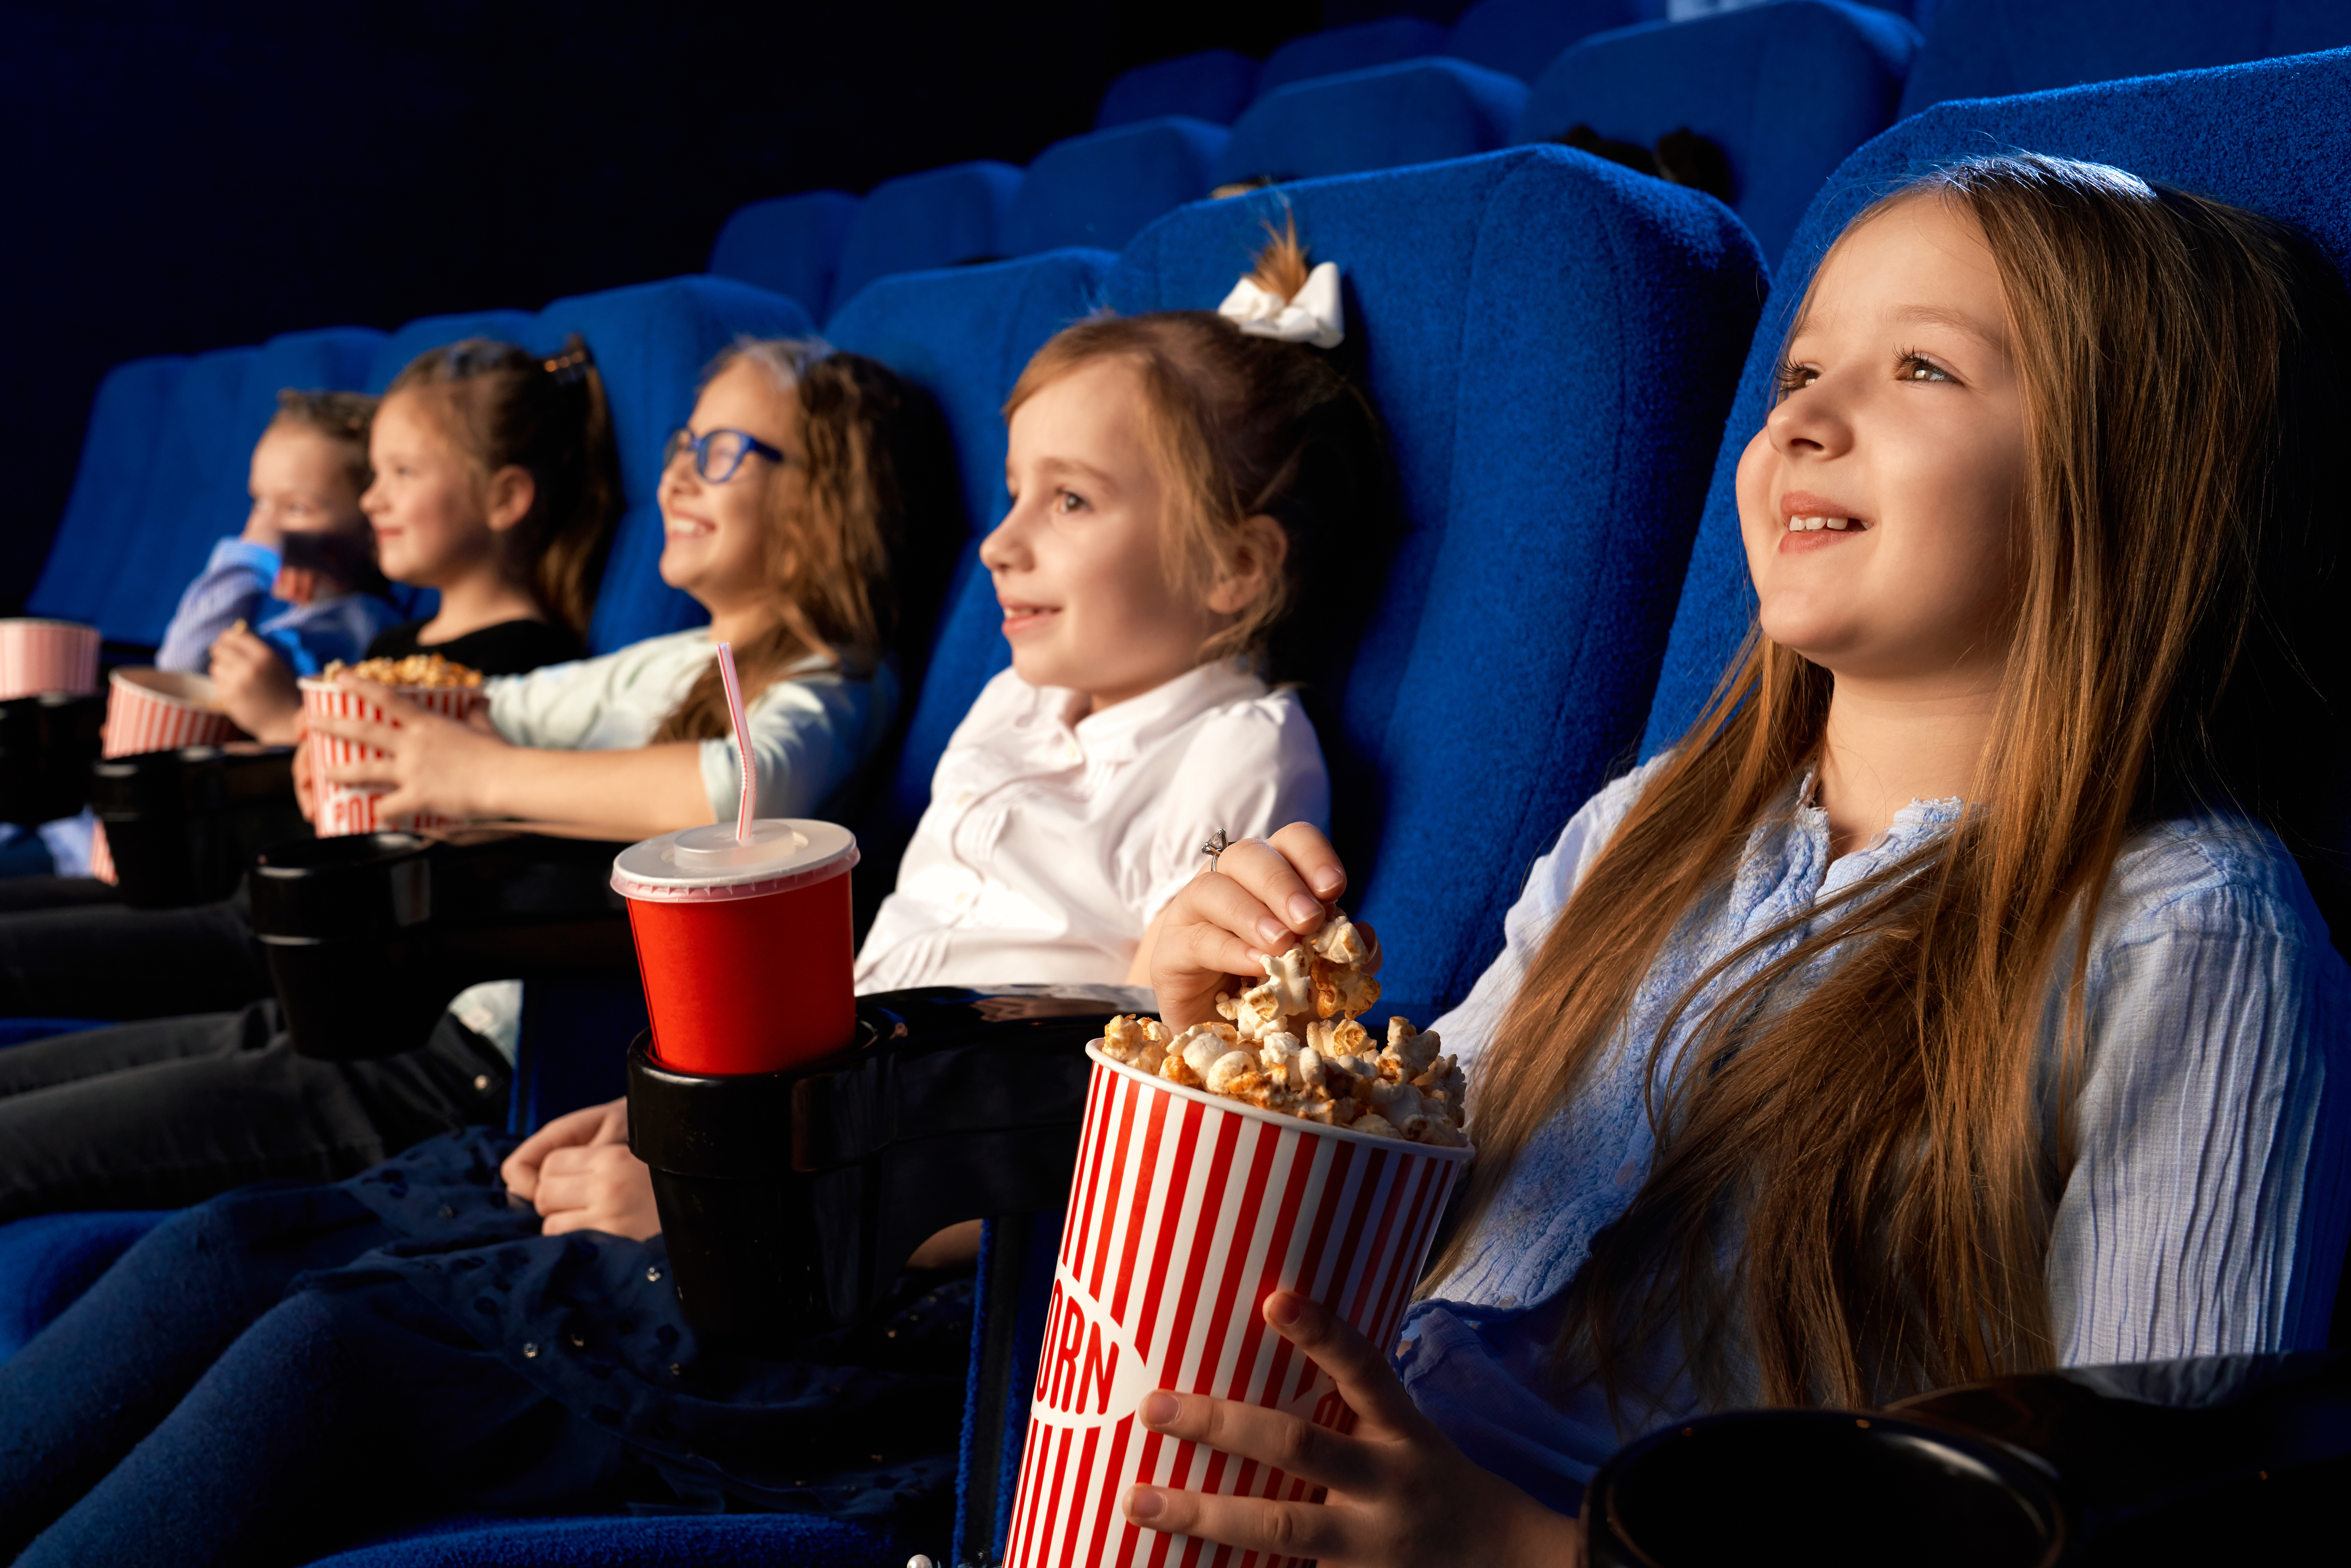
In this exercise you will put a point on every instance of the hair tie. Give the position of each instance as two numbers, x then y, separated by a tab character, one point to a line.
1313	315
568	367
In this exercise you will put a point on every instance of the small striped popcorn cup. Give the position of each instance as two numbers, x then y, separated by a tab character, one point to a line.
162	710
1187	1210
341	809
38	656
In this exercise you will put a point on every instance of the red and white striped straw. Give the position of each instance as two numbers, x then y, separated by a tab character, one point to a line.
742	744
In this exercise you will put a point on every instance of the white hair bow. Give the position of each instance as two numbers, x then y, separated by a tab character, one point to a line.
1313	315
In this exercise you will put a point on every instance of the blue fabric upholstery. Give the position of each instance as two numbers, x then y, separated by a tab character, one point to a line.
1214	85
333	358
103	513
1099	190
405	343
1418	113
1552	340
728	1541
1337	49
2267	136
1521	37
17	1030
1023	1338
964	337
193	494
47	1262
651	342
788	245
1727	78
1992	48
941	217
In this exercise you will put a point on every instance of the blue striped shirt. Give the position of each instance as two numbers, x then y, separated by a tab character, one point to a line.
234	586
2206	1211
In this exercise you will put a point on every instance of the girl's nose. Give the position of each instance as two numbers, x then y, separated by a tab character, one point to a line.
1812	420
1005	548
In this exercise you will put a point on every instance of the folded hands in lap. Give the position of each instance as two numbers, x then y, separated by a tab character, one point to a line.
577	1172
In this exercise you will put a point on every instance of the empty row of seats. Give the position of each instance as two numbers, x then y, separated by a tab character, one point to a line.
1555	341
1786	91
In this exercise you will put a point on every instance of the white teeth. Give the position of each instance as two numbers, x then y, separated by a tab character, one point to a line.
1840	524
1814	525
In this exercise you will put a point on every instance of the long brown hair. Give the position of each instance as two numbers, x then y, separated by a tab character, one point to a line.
1878	1136
504	405
856	538
1241	426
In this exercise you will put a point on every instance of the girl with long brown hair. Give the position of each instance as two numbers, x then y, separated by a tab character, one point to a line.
1948	1001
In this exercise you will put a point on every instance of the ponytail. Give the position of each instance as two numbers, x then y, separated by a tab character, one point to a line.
506	406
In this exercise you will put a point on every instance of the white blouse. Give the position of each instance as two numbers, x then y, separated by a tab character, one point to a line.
1048	846
812	728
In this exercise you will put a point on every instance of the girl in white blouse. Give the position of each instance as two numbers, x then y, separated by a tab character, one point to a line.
786	504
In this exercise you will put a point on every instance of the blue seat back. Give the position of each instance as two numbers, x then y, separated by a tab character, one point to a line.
964	336
403	343
651	342
1552	341
103	511
1992	49
1418	113
332	359
1100	189
1337	49
1522	37
193	493
2262	135
788	245
1727	77
1214	85
941	217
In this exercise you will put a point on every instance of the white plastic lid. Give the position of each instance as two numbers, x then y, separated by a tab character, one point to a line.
705	863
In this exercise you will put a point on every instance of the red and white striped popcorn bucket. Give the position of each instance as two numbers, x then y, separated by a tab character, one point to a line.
162	710
38	656
1187	1210
341	809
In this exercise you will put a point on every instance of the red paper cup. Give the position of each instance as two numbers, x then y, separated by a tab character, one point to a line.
341	809
744	948
162	710
1186	1211
38	656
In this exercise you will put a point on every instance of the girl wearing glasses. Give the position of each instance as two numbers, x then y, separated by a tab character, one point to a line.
782	514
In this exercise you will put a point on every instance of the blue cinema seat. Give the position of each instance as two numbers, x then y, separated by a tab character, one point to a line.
651	342
1214	85
103	511
1354	48
1522	37
2267	135
788	245
1728	77
1385	117
1100	189
1552	340
941	217
1994	48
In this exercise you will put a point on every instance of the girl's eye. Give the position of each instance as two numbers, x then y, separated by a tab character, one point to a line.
1791	377
1068	501
1914	368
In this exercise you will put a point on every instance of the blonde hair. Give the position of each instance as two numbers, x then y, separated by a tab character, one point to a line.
1874	1138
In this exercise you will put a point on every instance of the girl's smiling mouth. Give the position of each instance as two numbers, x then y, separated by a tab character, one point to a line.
1808	516
1019	617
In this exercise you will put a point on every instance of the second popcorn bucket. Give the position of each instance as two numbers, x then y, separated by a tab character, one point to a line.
1187	1210
343	809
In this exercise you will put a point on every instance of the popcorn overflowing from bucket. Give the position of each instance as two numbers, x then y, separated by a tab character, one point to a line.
1291	1044
414	670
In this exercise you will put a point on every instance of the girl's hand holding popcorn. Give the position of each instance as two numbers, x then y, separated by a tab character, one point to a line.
1261	896
1398	1491
433	763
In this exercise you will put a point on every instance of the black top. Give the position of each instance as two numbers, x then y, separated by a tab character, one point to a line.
509	648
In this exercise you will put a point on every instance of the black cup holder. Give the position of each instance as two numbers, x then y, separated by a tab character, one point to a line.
791	1200
182	826
47	744
370	935
1843	1488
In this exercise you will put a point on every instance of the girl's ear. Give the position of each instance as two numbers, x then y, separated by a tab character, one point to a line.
507	499
1256	559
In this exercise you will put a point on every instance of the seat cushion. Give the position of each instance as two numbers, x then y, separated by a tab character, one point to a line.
49	1260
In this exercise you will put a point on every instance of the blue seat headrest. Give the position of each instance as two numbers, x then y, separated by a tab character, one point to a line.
103	510
195	493
1214	85
788	245
1521	37
1552	341
1100	189
2264	136
1727	76
940	217
1336	49
1385	117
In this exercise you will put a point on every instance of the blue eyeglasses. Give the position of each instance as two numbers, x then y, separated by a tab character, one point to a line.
718	454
